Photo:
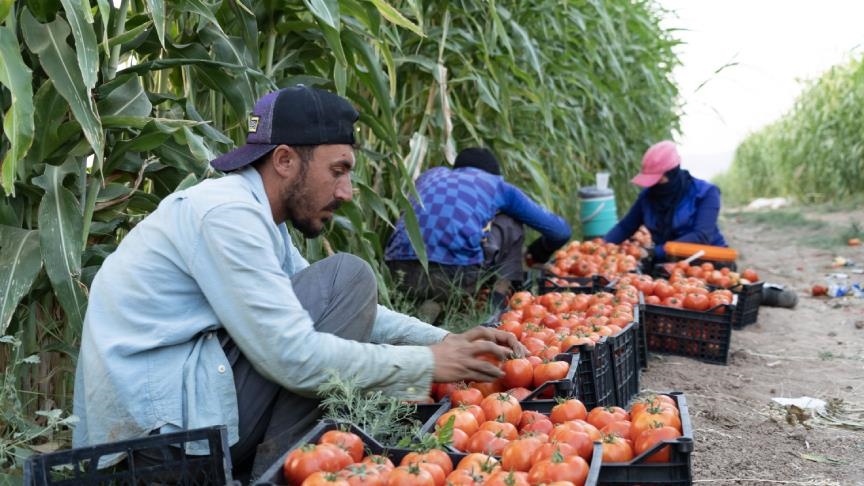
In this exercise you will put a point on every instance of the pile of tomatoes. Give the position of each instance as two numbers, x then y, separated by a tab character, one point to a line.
547	325
595	257
558	445
707	273
515	448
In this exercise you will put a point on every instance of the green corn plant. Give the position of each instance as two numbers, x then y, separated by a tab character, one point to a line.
813	153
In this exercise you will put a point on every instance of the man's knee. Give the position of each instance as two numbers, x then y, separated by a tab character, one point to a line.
353	268
352	274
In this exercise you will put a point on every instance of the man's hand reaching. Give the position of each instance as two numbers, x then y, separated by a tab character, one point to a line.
457	356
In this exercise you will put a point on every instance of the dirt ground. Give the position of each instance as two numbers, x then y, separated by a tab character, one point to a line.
814	350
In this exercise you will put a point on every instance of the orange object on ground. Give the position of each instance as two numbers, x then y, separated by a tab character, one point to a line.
714	253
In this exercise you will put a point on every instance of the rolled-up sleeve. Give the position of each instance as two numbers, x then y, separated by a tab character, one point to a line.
237	264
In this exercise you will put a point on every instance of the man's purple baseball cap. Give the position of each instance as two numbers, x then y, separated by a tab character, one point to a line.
298	115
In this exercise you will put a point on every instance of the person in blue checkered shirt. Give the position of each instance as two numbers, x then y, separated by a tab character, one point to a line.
472	224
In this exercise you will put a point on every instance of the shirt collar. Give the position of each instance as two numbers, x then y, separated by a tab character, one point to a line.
257	184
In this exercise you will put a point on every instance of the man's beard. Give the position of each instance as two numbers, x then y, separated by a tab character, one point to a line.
298	206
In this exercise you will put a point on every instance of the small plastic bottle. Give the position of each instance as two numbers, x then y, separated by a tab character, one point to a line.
838	285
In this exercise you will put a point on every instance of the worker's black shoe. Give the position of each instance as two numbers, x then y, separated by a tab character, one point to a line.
775	295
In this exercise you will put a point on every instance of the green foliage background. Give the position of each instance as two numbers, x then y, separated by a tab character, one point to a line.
107	109
813	153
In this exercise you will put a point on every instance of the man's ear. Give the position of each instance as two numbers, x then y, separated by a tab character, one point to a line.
285	161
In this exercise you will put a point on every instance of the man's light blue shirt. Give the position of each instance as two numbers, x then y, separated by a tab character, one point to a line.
210	257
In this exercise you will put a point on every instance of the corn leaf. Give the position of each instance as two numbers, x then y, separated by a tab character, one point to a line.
55	56
60	236
20	263
81	21
18	125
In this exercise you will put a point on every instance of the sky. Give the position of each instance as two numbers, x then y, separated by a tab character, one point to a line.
775	46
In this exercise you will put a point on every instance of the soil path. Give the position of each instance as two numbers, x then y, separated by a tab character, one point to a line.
815	350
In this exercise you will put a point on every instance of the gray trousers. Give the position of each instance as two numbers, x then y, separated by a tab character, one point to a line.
502	252
340	293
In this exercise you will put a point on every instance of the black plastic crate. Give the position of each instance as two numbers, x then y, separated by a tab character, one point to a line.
641	338
702	335
429	413
80	465
678	471
623	349
749	299
596	383
275	476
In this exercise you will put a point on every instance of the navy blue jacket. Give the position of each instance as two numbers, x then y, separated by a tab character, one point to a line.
695	219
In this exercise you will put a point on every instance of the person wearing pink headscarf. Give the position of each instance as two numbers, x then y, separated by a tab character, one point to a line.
674	205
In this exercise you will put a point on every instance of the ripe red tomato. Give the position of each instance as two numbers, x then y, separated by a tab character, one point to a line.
305	460
620	428
548	449
750	275
507	478
466	395
652	300
435	456
662	289
516	456
697	302
379	461
512	326
501	429
673	301
653	436
572	409
478	461
347	441
463	419
487	387
466	477
325	478
550	371
601	416
581	442
616	449
410	475
521	299
503	407
486	442
557	468
517	373
363	474
520	393
459	439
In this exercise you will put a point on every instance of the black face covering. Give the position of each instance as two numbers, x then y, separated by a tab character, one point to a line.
664	198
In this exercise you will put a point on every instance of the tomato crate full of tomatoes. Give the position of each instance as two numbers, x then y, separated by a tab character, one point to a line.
650	442
336	453
661	457
698	334
549	380
81	463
